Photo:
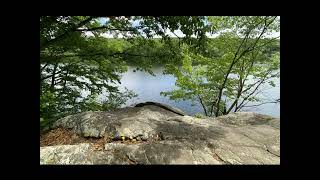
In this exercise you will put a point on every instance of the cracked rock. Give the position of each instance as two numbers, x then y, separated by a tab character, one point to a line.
165	135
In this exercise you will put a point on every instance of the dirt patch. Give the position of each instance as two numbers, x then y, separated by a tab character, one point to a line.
62	136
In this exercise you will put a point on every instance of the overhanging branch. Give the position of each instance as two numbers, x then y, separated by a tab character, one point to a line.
261	104
46	43
106	28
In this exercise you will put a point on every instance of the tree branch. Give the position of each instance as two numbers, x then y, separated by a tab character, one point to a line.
42	68
49	76
261	81
204	108
234	61
241	83
65	33
260	104
104	27
177	37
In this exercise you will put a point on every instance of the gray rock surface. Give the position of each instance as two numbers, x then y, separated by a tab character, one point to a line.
169	138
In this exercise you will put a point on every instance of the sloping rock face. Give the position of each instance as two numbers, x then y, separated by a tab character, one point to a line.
161	136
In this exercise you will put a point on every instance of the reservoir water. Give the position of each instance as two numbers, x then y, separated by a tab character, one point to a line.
148	88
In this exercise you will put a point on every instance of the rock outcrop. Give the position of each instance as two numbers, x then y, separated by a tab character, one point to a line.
157	134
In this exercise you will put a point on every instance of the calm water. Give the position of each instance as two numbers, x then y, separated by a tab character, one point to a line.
148	88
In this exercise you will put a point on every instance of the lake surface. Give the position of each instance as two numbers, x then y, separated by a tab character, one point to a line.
148	88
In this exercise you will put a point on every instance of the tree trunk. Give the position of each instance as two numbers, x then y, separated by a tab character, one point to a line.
65	82
204	108
53	77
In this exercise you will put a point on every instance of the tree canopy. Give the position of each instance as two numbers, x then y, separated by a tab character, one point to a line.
223	73
72	60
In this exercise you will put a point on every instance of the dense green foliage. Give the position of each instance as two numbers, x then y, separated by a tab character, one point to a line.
218	77
71	60
75	56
